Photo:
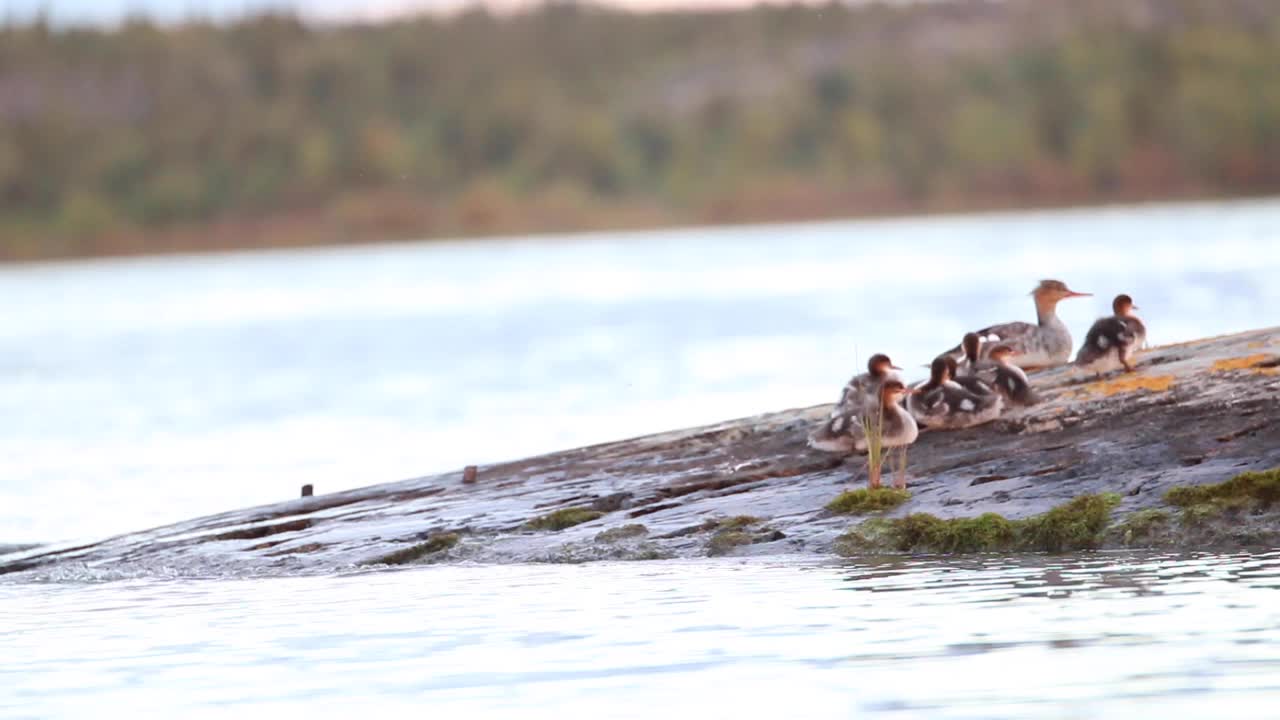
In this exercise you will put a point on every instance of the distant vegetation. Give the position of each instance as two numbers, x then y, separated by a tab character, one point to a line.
273	132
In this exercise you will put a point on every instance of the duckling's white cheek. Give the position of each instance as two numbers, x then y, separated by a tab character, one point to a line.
837	425
1103	342
966	405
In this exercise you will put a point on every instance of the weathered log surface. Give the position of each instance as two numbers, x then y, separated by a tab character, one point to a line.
1194	413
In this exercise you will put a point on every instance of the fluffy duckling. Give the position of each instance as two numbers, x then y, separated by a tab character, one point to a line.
864	389
1045	344
846	432
943	404
972	364
1010	380
1113	341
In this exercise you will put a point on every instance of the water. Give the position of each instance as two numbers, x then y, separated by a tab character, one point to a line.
139	392
136	392
1117	636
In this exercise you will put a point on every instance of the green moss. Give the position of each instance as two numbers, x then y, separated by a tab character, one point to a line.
988	531
625	532
725	540
1256	489
867	500
566	518
739	522
434	544
1077	525
648	551
1142	527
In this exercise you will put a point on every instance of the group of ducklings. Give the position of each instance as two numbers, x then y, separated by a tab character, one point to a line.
976	381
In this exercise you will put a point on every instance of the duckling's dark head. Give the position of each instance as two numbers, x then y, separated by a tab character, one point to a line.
891	391
879	365
940	370
1123	305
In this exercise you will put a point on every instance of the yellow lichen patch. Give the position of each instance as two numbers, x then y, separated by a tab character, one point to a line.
1128	384
1241	363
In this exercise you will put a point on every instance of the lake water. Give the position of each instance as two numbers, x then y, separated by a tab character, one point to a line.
137	392
1110	636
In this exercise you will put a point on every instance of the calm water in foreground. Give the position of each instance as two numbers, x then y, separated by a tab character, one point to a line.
1117	636
139	392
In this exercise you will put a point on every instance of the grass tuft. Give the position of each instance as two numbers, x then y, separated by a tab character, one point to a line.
434	544
624	532
739	522
867	500
565	518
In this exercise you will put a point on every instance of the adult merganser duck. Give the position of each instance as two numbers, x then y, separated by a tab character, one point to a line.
1044	344
864	389
1113	341
846	430
1011	381
943	404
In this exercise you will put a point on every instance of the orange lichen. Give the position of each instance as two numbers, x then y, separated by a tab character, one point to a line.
1247	362
1128	384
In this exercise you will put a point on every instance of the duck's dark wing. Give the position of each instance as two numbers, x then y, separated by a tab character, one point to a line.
1107	335
1015	387
1005	333
974	384
1136	327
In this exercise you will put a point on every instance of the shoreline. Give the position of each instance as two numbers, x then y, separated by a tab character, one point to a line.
281	232
1194	414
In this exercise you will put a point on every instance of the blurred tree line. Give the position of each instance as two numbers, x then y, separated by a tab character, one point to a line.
273	131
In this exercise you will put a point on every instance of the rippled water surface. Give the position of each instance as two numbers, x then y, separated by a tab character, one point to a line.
1120	636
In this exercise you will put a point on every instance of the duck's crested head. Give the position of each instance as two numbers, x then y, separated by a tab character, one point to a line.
941	369
1002	353
1123	305
879	365
892	390
1054	290
971	344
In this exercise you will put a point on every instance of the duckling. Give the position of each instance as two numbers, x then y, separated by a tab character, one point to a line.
845	431
972	364
975	374
943	404
865	388
1011	381
1044	344
1113	341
